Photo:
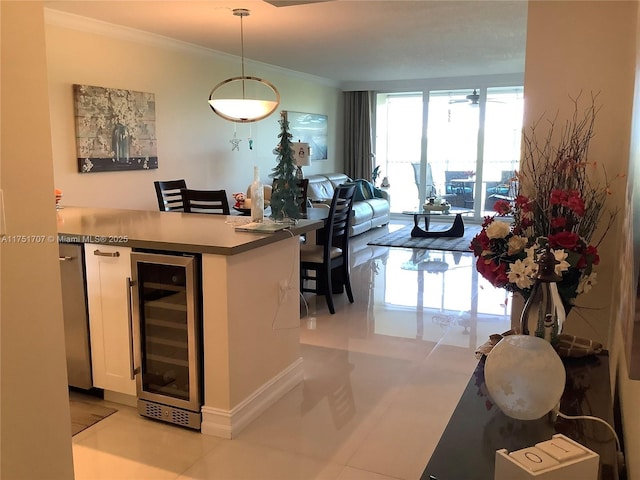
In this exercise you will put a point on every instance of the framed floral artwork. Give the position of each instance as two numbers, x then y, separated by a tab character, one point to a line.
115	129
309	128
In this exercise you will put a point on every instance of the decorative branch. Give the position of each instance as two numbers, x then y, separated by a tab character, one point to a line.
547	167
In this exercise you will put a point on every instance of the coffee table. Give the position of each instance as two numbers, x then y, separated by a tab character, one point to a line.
456	230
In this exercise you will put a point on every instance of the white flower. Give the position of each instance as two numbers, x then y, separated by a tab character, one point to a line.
497	229
586	283
532	266
531	251
519	273
561	256
516	244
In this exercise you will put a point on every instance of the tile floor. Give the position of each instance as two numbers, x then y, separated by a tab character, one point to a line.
382	377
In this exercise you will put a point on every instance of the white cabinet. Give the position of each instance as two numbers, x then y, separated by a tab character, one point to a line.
108	270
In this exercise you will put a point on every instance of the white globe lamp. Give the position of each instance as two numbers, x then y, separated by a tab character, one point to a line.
524	376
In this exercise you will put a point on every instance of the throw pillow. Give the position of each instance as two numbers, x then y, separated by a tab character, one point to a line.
378	193
367	188
358	195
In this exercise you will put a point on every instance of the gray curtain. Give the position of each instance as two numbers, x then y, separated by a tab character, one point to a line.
357	134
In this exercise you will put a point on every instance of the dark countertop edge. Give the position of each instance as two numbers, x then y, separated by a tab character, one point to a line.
259	240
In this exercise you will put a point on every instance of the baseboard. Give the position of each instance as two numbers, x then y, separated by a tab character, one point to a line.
121	398
228	423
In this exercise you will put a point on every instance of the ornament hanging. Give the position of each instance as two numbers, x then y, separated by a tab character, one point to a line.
235	142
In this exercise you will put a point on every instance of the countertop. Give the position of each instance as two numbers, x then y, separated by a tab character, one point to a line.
171	231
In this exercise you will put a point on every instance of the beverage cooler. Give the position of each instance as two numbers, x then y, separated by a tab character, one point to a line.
167	325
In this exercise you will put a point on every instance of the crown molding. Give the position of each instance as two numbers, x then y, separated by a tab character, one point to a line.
444	83
90	25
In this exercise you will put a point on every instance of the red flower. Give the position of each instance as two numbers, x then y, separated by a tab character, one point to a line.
502	207
526	222
480	243
495	272
566	240
558	222
523	203
575	203
592	252
558	197
486	222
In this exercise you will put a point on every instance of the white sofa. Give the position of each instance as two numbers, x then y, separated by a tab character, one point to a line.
368	212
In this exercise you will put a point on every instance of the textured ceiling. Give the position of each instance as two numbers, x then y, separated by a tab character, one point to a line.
342	40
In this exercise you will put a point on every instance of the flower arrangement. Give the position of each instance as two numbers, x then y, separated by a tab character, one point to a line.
556	204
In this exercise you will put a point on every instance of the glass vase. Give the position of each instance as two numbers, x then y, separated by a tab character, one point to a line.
120	143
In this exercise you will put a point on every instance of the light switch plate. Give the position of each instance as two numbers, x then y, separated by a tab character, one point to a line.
557	459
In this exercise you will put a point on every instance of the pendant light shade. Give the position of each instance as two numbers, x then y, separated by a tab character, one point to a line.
244	99
231	99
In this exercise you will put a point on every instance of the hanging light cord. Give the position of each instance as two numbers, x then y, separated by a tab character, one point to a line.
589	417
241	109
242	15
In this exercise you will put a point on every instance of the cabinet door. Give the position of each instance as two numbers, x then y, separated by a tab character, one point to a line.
108	272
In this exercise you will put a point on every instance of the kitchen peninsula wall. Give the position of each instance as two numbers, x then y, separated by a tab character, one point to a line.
192	142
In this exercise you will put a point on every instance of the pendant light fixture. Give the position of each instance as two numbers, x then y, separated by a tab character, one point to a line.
244	99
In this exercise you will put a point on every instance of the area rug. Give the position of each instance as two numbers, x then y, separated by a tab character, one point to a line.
85	414
403	238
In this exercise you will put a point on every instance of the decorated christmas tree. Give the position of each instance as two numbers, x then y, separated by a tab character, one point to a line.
284	199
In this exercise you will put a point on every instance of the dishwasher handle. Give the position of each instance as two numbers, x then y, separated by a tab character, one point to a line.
106	254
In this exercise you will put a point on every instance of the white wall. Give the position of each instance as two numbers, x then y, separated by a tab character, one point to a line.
586	47
192	142
36	429
591	46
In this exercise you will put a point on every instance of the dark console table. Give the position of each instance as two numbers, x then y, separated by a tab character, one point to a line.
478	428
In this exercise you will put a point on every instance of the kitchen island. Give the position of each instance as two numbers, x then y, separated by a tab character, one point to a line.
250	304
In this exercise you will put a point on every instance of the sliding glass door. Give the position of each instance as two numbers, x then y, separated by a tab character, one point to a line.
461	145
398	145
501	152
452	145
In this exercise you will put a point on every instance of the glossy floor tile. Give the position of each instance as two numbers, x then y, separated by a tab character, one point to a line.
382	377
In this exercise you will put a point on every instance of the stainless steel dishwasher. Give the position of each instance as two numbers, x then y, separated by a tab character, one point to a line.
76	318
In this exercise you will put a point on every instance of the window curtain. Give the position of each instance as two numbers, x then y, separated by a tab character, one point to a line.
357	134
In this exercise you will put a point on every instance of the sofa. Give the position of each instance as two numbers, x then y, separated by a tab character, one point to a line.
370	206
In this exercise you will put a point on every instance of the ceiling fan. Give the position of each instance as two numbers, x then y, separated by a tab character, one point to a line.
472	99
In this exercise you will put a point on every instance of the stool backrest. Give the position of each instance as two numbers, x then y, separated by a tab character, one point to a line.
169	196
205	201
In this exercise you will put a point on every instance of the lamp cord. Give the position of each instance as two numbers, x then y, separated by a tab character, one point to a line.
589	417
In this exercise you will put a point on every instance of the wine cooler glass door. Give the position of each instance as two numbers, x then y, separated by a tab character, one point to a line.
165	330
